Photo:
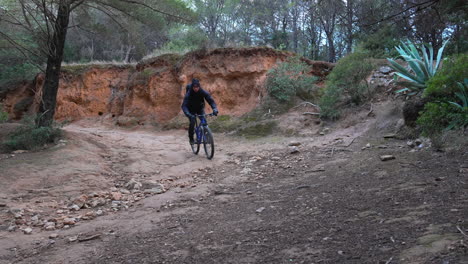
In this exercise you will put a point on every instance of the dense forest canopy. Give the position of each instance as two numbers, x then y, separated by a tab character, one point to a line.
317	29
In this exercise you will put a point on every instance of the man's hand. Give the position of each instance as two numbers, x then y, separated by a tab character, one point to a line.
215	112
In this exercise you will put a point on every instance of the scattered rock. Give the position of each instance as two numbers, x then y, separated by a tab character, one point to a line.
19	151
80	201
294	144
275	158
418	141
11	228
294	150
27	231
69	221
35	218
246	170
98	202
74	207
387	157
89	237
53	236
156	190
368	145
318	168
385	69
133	185
2	204
259	210
72	238
49	226
116	196
149	185
99	212
411	144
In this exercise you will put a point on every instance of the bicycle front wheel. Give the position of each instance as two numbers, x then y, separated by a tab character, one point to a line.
208	143
196	145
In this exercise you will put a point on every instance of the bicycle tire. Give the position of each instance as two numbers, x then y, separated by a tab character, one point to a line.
208	143
196	146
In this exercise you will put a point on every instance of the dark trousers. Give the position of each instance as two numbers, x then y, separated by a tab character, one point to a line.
192	123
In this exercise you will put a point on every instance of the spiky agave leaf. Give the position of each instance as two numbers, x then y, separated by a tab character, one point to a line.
422	66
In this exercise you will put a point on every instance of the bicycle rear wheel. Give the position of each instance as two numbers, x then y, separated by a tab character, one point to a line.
208	143
196	145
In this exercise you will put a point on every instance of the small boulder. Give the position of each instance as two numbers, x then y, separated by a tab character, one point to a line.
69	221
294	150
387	157
27	231
294	144
133	185
156	190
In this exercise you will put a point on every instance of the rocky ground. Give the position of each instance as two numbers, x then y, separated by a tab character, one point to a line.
350	194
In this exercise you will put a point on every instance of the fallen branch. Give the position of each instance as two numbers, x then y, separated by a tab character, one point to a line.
350	143
307	103
371	110
461	231
310	113
389	261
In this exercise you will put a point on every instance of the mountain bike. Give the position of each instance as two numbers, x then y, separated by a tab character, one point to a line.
203	136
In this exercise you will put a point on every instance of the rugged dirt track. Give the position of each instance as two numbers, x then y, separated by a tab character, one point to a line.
333	202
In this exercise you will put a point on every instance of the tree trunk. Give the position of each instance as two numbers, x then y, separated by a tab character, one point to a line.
349	26
331	47
46	112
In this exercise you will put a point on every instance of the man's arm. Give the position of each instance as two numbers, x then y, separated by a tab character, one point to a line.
211	101
185	105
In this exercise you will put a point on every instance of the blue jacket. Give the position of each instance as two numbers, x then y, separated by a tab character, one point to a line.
194	103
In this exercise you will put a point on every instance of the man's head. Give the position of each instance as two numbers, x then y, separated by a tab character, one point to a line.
195	85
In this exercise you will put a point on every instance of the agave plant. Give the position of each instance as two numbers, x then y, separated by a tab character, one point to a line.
462	95
422	66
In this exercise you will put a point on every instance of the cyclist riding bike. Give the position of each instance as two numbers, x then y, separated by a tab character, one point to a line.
194	104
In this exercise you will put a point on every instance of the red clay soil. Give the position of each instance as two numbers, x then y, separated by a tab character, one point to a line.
153	90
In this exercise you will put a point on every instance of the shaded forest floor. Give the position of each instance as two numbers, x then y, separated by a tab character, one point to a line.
334	201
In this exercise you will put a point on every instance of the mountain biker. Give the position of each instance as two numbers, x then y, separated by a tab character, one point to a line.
194	104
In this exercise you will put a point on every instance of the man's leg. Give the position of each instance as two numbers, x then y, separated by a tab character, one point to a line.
191	128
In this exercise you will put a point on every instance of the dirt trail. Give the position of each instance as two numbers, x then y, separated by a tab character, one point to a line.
334	201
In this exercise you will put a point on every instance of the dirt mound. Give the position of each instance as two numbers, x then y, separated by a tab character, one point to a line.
152	91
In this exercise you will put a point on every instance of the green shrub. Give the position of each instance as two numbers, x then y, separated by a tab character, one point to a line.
348	78
258	130
3	115
30	137
328	102
440	116
290	79
444	84
224	123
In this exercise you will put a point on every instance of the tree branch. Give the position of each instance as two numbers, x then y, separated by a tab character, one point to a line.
429	2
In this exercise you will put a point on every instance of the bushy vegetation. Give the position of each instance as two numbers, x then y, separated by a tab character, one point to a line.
444	84
348	79
9	74
3	115
290	79
447	92
441	116
257	129
30	137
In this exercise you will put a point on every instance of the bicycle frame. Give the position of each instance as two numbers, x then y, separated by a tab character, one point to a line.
203	136
198	127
